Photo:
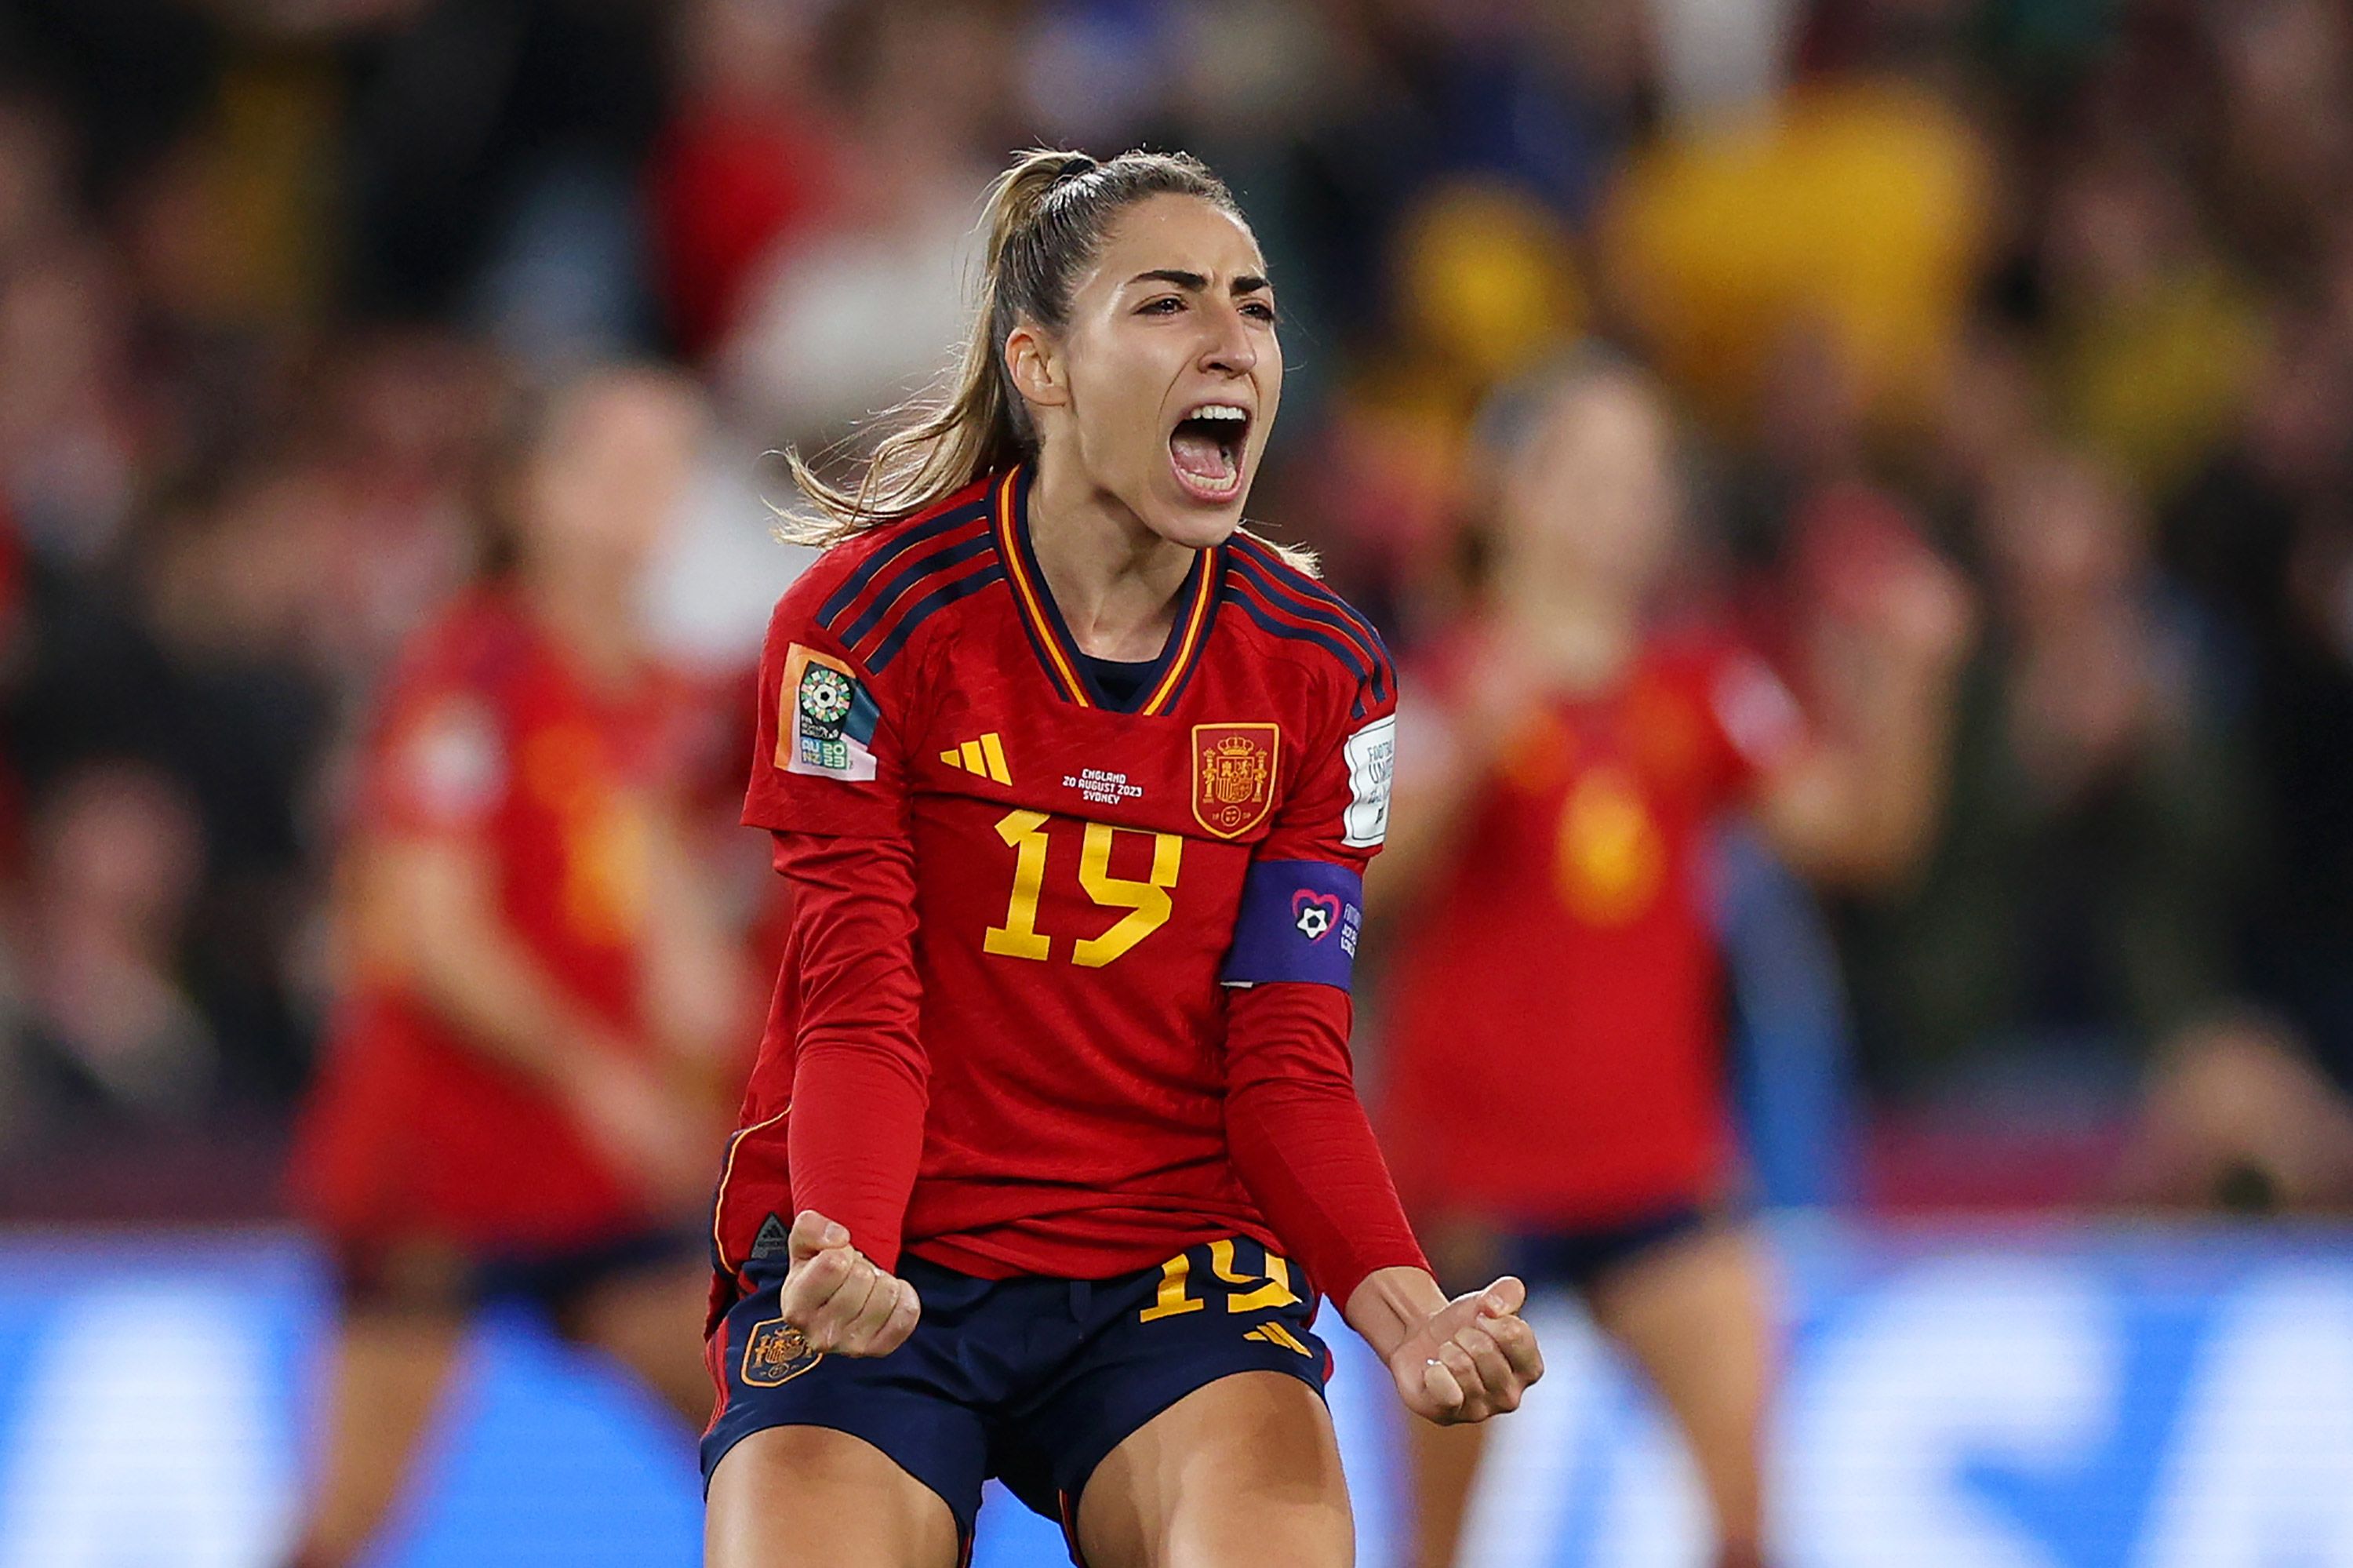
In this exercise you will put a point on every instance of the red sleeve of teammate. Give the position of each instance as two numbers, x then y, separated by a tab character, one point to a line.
440	766
1296	1132
827	780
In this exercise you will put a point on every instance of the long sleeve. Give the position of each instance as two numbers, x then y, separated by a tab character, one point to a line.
1299	1139
856	1133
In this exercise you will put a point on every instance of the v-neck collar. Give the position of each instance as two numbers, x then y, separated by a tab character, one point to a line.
1057	652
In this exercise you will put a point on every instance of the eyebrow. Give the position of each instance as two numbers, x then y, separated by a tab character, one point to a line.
1247	283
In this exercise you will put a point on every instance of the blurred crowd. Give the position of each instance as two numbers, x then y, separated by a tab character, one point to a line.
2062	288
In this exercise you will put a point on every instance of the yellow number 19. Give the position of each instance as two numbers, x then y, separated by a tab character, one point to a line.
1147	903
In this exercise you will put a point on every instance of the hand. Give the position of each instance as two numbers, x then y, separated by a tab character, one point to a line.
1472	1359
630	1112
840	1302
1920	610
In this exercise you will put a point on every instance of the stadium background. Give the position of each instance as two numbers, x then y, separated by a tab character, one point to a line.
2065	286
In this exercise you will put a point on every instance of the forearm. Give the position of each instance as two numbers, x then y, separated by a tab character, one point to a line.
1299	1141
1860	810
460	959
860	1076
695	991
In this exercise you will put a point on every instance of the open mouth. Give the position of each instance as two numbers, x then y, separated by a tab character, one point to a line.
1206	449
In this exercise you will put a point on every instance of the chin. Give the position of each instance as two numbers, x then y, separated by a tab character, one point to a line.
1183	517
1195	527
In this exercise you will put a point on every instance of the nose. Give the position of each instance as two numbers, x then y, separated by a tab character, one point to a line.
1231	350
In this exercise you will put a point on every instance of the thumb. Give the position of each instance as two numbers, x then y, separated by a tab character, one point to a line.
1503	1299
812	1234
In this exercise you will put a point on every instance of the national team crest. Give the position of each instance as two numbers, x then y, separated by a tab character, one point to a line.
777	1353
1233	775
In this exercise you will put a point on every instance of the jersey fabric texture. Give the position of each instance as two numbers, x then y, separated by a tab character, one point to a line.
1015	1028
489	735
1030	1379
1585	1085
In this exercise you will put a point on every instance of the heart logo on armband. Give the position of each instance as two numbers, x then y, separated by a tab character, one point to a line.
1315	913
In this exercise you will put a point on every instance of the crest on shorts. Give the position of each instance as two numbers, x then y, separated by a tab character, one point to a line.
1233	775
777	1353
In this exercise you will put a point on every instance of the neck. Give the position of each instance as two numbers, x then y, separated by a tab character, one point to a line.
593	622
1114	580
1580	641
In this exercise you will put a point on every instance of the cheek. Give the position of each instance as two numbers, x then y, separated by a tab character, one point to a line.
1117	401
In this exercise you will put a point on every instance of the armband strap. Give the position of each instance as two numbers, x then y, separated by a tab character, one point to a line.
1299	921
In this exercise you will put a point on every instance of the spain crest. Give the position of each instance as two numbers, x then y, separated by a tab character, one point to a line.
1233	775
777	1353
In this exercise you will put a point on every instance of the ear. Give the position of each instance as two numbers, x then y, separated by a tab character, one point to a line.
1036	366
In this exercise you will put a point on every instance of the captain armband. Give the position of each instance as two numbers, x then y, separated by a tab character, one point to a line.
1300	920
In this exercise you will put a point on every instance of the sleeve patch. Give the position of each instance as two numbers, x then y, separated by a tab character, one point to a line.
1299	921
827	727
1372	765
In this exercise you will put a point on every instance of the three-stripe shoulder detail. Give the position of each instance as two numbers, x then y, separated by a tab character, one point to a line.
927	565
1289	603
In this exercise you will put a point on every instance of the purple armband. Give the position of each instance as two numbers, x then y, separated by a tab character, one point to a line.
1299	921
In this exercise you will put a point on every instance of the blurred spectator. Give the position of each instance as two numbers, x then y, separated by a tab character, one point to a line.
848	323
2076	913
110	1037
1857	213
744	169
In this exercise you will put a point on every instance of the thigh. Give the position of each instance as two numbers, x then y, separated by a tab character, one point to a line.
1696	1314
1244	1469
808	1496
891	1441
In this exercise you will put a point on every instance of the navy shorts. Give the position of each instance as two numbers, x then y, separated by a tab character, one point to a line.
1031	1379
1576	1257
1579	1258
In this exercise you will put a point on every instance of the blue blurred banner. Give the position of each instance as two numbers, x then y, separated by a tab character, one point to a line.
1995	1398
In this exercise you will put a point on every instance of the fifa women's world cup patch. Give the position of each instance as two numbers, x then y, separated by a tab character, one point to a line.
1234	774
1372	766
827	725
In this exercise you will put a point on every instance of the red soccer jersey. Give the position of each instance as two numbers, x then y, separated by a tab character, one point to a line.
489	733
1087	885
1555	1051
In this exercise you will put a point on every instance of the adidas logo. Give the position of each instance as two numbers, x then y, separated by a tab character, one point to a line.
985	756
1273	1333
773	1239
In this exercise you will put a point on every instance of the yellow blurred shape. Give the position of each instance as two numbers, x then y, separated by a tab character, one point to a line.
1856	212
1486	281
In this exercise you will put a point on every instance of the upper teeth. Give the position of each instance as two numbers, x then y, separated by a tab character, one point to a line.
1218	411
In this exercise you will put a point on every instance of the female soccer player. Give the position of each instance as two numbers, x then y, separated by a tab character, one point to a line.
520	1087
1572	755
1075	782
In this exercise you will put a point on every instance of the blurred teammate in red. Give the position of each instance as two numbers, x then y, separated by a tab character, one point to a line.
1075	784
520	1090
1555	1099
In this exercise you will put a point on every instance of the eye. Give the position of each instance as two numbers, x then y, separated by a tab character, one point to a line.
1165	305
1260	308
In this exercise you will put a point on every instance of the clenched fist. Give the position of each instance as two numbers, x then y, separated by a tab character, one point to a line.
840	1302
